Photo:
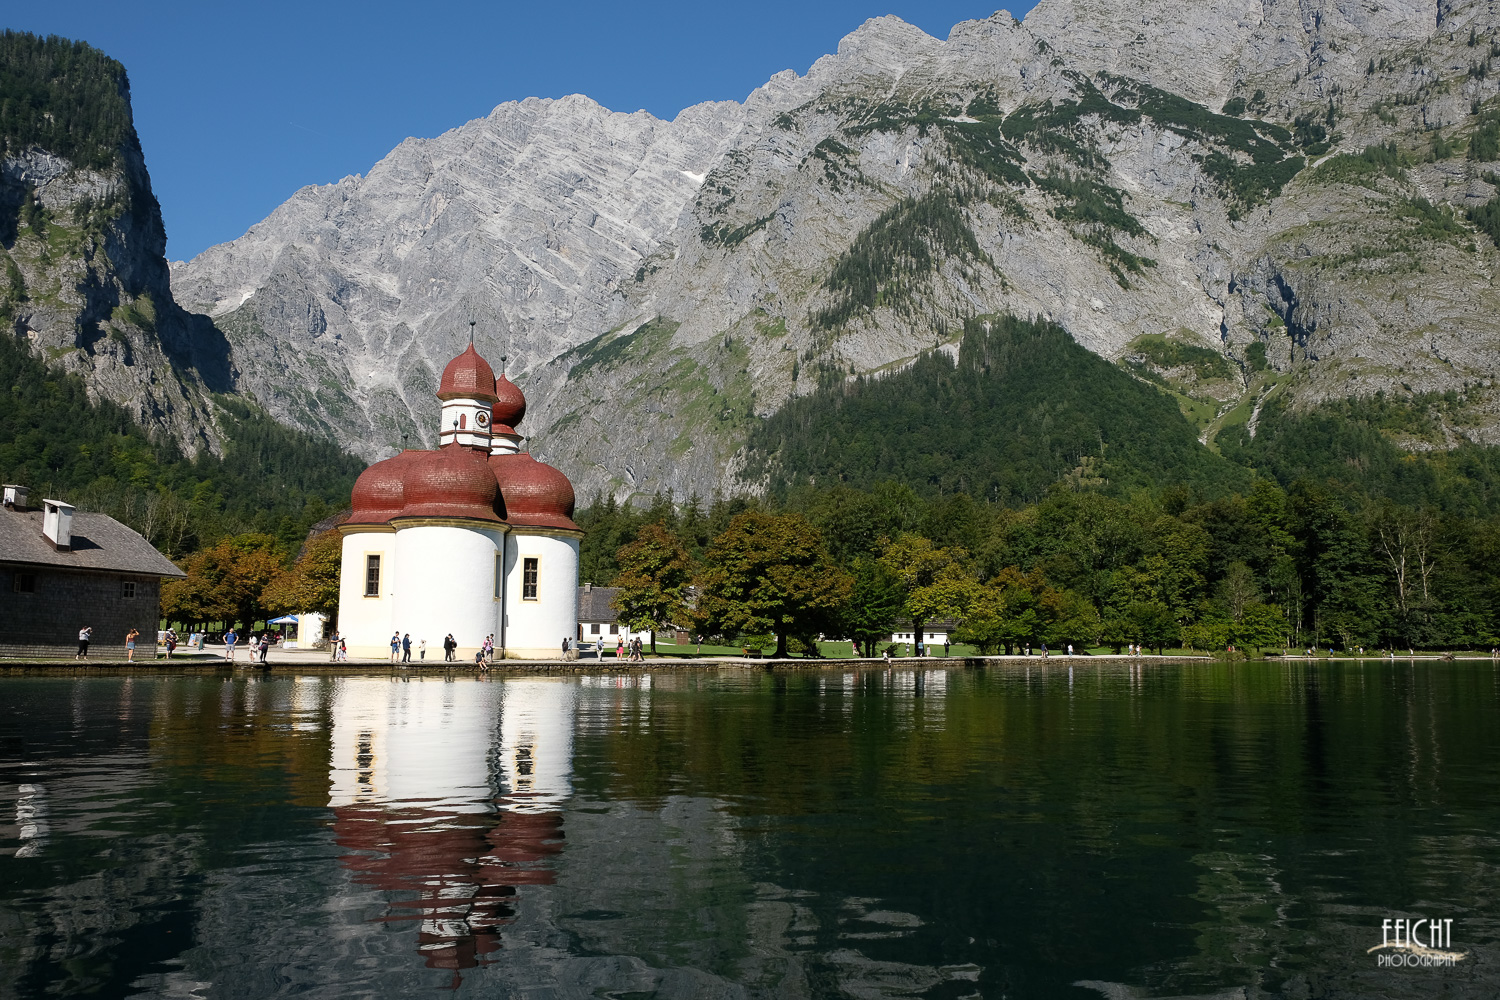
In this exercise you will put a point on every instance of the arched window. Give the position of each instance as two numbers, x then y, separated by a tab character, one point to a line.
463	421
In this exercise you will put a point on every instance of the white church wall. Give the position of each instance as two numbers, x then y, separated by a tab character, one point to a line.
365	622
448	577
535	628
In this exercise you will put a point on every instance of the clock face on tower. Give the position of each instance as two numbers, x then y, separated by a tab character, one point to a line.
481	418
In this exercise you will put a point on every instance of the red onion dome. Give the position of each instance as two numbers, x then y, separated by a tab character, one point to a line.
510	405
453	481
534	493
468	376
379	492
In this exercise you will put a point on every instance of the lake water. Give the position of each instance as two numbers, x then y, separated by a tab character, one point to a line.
1210	830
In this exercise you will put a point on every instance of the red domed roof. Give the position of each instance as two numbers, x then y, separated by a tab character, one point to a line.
380	492
453	481
535	493
468	376
510	405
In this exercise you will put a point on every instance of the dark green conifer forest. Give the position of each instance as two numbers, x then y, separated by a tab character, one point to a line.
65	97
271	480
1023	407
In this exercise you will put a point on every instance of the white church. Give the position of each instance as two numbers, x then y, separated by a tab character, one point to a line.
475	538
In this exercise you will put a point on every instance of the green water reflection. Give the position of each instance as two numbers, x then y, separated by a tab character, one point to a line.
1102	830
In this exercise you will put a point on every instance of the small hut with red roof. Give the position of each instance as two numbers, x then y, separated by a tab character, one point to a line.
474	539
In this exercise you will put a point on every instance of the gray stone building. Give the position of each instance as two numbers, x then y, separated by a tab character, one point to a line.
61	570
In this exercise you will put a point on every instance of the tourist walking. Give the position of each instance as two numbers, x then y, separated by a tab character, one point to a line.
265	646
230	638
422	650
395	645
171	642
130	638
343	650
406	648
700	642
333	648
620	648
565	645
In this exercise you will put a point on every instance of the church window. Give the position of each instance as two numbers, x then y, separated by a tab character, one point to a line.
594	628
372	576
127	589
528	579
463	421
24	583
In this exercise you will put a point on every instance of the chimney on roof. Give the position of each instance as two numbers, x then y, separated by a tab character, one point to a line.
15	496
57	523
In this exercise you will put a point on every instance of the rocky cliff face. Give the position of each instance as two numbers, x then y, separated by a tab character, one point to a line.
1286	184
83	251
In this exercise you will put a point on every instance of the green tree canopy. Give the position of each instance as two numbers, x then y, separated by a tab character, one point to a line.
770	574
312	584
876	599
655	572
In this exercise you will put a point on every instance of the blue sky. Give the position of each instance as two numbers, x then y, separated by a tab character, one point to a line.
238	105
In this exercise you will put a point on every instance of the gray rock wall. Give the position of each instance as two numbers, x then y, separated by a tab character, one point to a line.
657	286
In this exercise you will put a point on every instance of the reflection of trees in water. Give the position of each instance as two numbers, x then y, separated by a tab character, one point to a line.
456	873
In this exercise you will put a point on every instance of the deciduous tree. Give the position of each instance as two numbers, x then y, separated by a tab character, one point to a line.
918	564
312	584
770	573
654	575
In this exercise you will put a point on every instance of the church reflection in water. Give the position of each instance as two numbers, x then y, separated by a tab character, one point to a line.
450	796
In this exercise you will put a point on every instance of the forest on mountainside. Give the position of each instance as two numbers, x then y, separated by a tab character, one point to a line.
271	481
1022	407
65	97
1030	474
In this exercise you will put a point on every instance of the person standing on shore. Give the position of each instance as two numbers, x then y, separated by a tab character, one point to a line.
406	648
130	638
230	638
422	650
395	645
84	635
333	648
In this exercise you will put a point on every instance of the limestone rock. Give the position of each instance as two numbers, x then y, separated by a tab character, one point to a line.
1125	170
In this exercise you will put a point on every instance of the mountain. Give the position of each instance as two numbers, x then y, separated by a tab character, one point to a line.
82	245
116	398
1248	204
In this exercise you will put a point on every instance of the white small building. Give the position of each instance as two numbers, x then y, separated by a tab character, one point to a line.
475	539
598	621
933	633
